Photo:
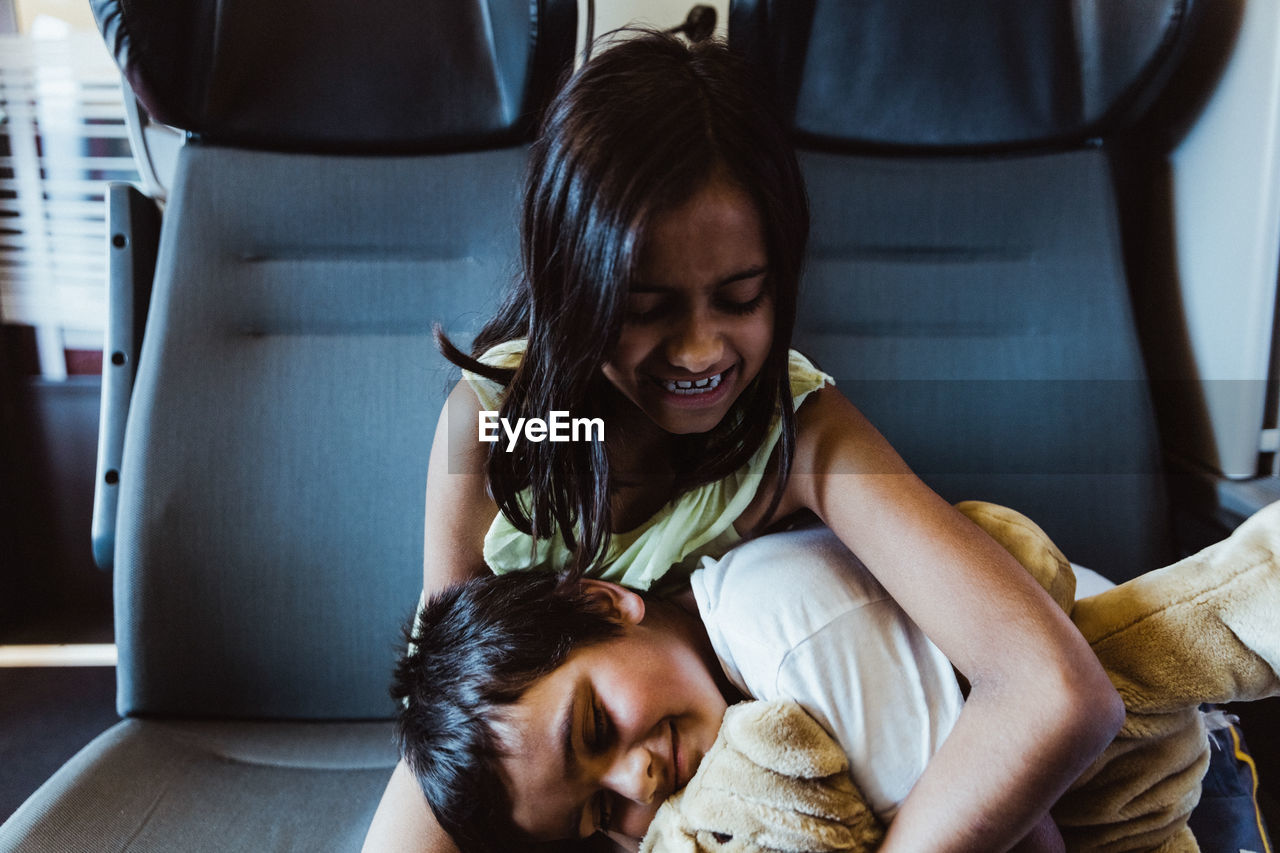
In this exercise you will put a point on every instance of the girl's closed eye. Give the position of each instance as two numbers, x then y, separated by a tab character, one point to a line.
743	296
731	306
739	297
645	307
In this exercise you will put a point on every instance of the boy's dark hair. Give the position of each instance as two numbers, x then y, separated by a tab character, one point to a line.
474	649
635	133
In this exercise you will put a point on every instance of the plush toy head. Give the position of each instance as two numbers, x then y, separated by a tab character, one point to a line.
774	782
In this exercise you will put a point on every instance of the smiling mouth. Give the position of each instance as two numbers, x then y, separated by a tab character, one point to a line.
691	387
703	386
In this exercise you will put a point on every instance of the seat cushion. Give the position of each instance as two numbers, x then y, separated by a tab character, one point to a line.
211	786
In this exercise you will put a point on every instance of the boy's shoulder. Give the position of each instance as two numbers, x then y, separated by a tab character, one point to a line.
778	572
797	616
770	595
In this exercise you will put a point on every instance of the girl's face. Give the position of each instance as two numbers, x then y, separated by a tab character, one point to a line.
699	319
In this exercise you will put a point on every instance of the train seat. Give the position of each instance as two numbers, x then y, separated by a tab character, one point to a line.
347	180
966	278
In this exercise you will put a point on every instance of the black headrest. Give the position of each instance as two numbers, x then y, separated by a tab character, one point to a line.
343	75
962	74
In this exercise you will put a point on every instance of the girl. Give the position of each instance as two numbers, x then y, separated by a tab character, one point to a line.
662	238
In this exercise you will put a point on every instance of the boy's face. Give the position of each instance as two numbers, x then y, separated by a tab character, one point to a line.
600	742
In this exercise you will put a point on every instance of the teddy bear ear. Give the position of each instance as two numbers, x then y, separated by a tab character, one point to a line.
782	737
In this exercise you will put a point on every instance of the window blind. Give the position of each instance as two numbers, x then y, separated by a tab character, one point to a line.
62	139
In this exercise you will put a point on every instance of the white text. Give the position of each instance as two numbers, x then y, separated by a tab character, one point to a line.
558	427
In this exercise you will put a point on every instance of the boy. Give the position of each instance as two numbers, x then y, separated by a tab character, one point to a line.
536	712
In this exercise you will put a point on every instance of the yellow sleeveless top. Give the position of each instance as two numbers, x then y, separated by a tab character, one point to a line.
696	524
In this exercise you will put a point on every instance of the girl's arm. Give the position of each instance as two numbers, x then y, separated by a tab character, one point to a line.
458	514
1045	838
403	822
1040	707
459	509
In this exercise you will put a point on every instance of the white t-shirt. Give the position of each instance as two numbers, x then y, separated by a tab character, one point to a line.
797	616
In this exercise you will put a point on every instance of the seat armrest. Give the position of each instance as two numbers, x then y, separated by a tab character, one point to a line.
133	229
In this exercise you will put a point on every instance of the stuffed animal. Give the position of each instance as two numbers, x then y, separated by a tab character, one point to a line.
773	780
1204	630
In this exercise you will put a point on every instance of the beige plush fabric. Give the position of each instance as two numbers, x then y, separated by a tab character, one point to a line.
1206	629
774	781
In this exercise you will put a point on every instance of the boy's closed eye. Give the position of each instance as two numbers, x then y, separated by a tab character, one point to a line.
603	812
597	741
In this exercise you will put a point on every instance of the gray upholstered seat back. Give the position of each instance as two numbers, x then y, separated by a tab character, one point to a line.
270	533
966	283
975	309
351	179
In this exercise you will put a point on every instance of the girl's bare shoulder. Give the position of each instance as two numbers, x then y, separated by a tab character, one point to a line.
834	437
458	507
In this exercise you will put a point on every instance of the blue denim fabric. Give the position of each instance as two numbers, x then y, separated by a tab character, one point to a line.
1227	820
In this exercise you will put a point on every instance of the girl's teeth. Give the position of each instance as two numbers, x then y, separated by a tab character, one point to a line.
694	386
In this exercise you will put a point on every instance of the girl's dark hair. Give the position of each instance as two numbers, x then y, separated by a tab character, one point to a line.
476	648
635	133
